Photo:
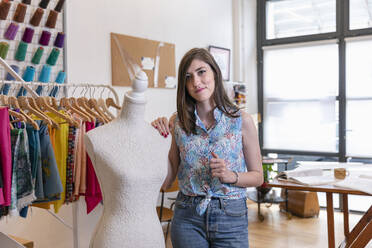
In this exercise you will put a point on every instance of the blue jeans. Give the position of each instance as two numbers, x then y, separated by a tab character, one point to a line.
223	225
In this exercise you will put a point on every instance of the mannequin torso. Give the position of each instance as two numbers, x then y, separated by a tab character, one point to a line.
130	159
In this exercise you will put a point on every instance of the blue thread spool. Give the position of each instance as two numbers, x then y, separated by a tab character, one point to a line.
9	77
44	77
60	80
28	76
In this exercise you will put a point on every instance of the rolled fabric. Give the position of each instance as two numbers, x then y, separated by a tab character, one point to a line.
9	77
11	31
37	56
60	39
44	38
21	51
4	9
36	17
53	56
20	13
28	34
4	48
52	19
59	5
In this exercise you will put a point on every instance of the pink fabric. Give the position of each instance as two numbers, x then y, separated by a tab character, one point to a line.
93	194
5	157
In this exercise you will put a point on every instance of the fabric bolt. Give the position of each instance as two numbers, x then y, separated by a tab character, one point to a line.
93	195
194	175
223	225
23	193
5	157
70	165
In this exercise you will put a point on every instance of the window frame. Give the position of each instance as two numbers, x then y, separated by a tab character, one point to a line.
342	32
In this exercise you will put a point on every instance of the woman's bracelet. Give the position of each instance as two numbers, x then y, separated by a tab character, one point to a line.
237	178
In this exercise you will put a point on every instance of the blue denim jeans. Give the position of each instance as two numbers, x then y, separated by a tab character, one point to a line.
223	225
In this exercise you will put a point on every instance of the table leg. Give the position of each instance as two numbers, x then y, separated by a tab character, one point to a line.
346	215
330	221
358	229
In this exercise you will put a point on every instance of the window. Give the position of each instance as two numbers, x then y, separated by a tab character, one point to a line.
315	79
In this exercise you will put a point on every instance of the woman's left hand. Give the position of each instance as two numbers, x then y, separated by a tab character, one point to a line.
218	168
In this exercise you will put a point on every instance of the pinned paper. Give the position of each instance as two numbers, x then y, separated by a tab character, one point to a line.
147	63
170	82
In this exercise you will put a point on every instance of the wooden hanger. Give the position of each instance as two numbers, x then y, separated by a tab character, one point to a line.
3	100
111	103
74	103
65	104
83	102
92	103
102	104
42	102
25	104
14	102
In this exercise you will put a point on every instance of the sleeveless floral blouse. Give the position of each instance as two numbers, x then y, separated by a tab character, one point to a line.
194	173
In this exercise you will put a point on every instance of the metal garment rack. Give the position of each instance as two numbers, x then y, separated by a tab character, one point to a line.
28	86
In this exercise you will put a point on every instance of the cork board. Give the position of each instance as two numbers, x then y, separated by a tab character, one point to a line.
144	53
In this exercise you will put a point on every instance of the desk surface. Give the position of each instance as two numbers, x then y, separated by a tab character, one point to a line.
319	188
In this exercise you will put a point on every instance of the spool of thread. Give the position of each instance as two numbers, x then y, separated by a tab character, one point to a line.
4	9
53	56
20	13
4	48
44	77
60	39
60	80
37	56
28	34
36	17
52	19
45	73
9	77
28	76
21	51
26	2
340	173
59	5
44	4
11	31
44	38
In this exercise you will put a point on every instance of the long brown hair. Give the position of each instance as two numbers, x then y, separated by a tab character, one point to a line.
186	104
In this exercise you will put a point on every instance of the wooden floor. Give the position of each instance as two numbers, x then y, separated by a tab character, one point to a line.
280	232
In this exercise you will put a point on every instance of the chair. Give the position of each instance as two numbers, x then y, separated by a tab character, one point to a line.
165	214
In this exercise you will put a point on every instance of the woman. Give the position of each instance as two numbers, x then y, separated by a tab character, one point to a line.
215	154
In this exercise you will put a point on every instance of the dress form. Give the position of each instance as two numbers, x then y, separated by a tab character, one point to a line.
130	159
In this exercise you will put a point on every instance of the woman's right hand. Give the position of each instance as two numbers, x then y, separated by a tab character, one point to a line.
162	125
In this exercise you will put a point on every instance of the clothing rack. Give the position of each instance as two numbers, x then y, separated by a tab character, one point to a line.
87	86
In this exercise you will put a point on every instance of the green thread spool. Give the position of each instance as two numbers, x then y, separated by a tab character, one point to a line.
53	56
37	56
21	51
4	48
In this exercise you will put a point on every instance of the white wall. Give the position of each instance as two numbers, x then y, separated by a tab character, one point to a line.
187	24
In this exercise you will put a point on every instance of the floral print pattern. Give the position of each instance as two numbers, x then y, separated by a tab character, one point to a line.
194	173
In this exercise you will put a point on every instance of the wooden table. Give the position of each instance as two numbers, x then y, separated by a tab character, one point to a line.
361	233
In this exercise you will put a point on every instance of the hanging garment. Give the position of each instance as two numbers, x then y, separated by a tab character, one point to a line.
93	194
70	165
78	155
5	157
23	193
52	185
